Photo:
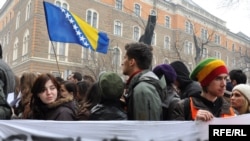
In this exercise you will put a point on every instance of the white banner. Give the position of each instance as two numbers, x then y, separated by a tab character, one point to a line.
38	130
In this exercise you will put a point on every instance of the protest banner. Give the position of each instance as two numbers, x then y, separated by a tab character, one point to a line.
30	130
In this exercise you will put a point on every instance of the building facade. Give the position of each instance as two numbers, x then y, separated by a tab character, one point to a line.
184	31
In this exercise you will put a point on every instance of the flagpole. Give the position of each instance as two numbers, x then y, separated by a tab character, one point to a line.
56	57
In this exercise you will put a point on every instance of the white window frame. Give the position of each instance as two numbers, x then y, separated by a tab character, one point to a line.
217	39
92	17
15	50
117	28
118	4
167	21
28	9
137	9
136	33
188	47
167	42
26	38
18	20
189	27
217	54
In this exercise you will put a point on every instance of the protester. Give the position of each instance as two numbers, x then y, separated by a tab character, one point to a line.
108	105
69	90
82	88
75	77
171	98
7	85
90	100
237	76
211	73
143	100
47	102
240	99
187	87
27	80
88	78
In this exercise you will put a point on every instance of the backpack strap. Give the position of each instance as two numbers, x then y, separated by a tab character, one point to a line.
186	108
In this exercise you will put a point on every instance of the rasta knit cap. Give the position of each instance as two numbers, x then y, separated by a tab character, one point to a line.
166	70
207	70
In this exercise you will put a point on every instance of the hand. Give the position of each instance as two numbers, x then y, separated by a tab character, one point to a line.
204	115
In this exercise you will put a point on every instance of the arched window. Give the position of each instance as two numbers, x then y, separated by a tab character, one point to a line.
26	37
136	33
17	20
116	58
15	49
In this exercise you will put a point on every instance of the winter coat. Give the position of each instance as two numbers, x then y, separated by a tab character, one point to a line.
143	101
108	112
7	84
218	108
63	110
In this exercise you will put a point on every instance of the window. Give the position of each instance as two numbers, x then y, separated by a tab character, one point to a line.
116	60
204	34
153	41
188	48
118	28
240	49
217	55
153	12
233	48
92	18
61	4
137	10
167	21
167	43
28	7
136	34
17	20
217	39
85	53
118	4
189	28
58	49
25	45
204	53
15	50
8	38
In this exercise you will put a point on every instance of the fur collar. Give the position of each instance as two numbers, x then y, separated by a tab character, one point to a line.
60	101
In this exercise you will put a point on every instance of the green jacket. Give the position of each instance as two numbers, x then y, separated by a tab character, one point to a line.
143	101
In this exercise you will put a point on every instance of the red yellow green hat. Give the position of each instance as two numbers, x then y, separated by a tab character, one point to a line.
207	70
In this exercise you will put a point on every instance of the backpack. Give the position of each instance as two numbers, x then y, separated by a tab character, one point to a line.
166	99
7	83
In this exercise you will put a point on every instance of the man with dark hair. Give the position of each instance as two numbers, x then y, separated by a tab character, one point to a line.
75	77
237	76
142	98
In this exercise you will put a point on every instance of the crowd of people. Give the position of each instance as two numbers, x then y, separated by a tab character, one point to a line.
165	92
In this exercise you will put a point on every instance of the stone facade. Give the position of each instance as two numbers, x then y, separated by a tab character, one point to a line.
38	58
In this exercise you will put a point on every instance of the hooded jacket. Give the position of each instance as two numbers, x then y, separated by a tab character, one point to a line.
186	86
7	84
143	100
